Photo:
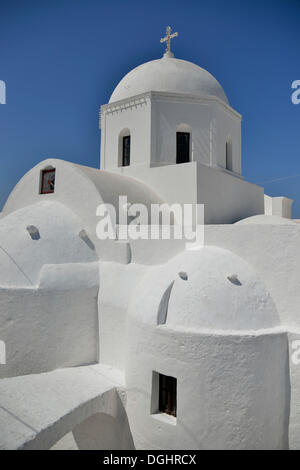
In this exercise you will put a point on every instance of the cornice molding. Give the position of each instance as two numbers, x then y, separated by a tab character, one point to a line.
142	99
122	105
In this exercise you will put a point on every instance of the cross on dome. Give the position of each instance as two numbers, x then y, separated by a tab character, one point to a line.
167	39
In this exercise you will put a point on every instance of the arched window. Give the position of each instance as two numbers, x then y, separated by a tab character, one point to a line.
47	182
126	151
183	144
124	147
229	154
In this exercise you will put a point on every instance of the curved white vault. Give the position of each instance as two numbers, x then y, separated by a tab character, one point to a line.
36	411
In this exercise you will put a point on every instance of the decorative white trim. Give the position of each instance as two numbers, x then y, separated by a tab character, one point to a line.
122	105
142	99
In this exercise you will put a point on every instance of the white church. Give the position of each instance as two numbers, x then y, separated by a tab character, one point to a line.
147	344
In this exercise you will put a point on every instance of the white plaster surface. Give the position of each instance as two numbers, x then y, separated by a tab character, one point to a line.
226	197
278	206
219	356
37	410
229	394
265	219
207	299
66	443
23	258
294	404
79	191
53	324
152	121
121	280
171	75
273	251
44	329
222	319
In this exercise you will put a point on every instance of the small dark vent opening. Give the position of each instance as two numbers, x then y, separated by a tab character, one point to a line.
84	236
33	232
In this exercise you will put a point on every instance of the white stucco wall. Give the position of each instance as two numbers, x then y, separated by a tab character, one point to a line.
58	242
153	120
222	385
117	284
223	375
73	188
228	127
134	115
168	115
222	320
52	325
227	197
102	431
209	122
182	181
79	190
273	251
48	289
294	372
278	206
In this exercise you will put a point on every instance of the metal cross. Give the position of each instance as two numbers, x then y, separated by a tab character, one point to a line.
167	39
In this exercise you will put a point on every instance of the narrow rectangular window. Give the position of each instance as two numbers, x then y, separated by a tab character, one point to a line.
182	147
126	151
167	394
48	181
229	156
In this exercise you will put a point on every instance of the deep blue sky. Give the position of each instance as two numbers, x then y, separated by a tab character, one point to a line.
61	60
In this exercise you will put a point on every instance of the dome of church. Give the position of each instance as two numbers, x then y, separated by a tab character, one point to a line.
46	233
211	289
224	293
168	75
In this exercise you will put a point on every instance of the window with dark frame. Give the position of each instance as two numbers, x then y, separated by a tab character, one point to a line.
167	395
126	151
182	147
229	155
48	181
